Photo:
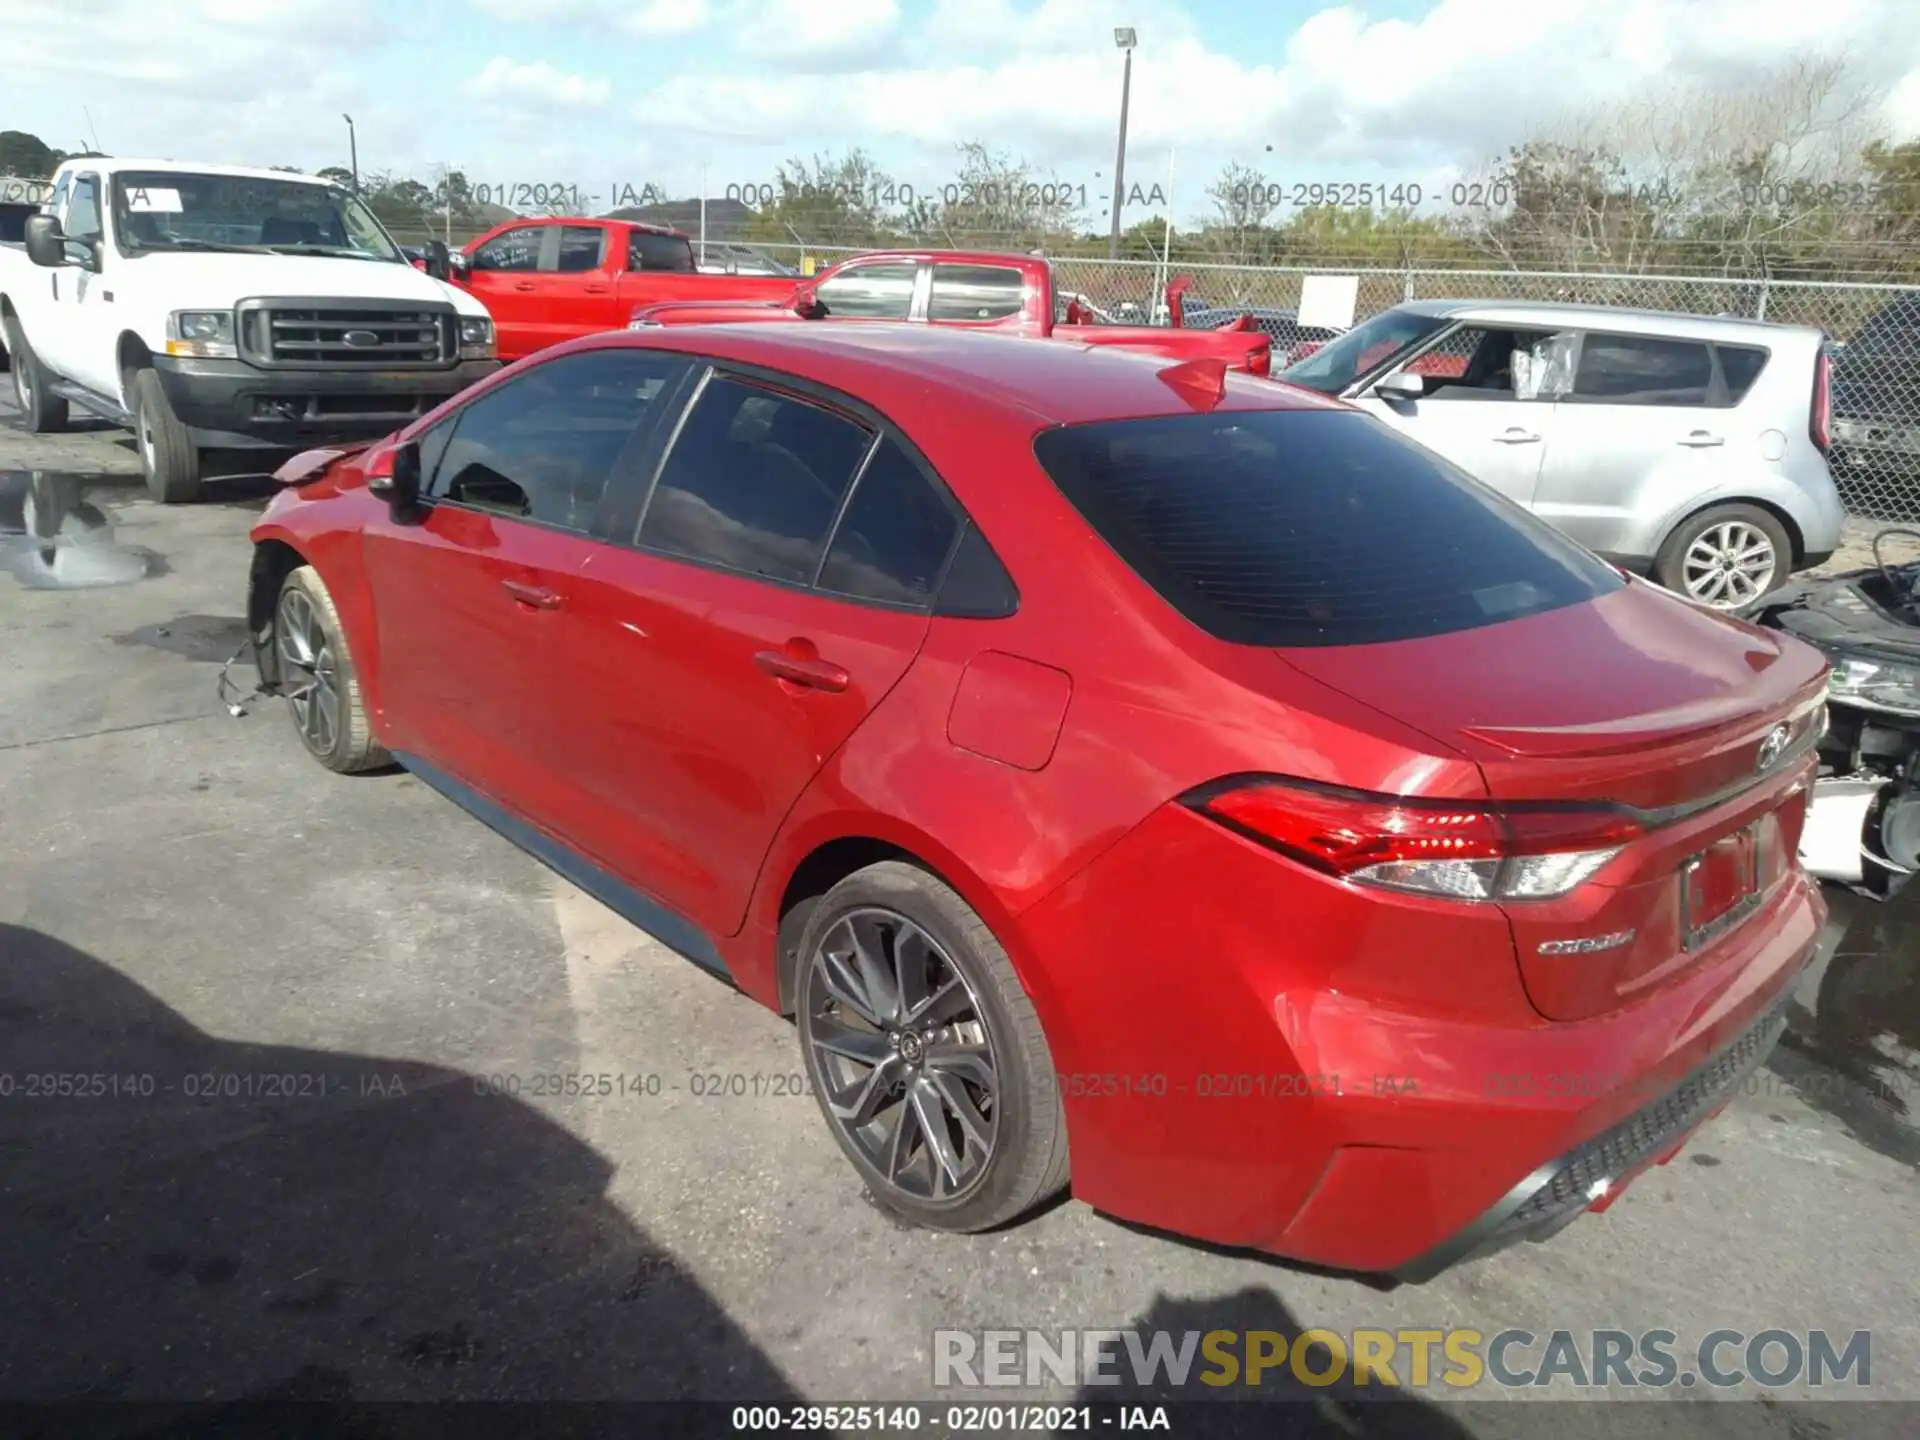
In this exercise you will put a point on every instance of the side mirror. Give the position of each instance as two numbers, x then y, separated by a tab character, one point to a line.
1401	385
46	244
401	487
806	302
439	264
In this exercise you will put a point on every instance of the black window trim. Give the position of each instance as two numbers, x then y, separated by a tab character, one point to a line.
707	368
630	458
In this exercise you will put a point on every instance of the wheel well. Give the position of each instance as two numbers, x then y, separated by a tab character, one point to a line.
132	356
1794	537
273	561
825	868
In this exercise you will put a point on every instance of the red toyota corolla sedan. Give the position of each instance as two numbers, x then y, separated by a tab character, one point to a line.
1143	776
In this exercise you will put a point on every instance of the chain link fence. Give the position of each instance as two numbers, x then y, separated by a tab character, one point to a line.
1873	332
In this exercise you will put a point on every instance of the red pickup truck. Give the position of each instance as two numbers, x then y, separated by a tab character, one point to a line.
1015	294
548	280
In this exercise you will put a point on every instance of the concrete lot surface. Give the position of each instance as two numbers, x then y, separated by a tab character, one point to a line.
186	897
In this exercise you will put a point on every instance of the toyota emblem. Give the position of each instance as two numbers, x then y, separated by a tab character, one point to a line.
1773	747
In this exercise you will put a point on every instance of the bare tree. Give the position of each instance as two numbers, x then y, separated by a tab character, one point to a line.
1737	178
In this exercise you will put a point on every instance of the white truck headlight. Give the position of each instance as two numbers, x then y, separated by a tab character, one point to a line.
476	337
1883	685
207	334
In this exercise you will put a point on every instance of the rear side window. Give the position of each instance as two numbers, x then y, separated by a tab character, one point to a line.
1640	370
582	247
754	481
870	292
976	292
659	252
1308	528
894	538
1741	366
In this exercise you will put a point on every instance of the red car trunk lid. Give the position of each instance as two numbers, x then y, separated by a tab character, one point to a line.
1638	699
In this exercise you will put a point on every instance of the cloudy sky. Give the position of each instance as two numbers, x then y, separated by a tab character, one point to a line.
602	95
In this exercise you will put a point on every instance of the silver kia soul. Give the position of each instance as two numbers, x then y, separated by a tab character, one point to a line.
1686	448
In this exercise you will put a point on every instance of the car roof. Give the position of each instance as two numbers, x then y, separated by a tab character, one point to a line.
110	165
1032	382
1604	317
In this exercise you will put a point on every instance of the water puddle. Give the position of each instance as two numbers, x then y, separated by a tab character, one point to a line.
53	536
209	638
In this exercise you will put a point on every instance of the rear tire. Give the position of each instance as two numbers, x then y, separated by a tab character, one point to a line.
1727	556
319	678
924	1020
168	456
44	412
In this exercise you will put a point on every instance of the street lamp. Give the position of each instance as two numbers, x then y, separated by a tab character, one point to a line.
353	150
1126	39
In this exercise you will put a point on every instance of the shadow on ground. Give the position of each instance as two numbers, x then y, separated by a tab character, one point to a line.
1854	1051
187	1218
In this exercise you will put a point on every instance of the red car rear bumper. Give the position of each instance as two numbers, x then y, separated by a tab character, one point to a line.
1254	1055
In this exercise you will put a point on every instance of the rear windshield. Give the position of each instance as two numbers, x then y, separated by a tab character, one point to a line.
659	252
1312	527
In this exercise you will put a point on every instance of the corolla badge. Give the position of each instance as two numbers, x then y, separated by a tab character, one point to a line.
1773	747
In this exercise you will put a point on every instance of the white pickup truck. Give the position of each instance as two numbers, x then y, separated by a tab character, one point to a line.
211	308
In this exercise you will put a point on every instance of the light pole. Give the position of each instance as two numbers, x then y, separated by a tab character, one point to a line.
353	151
1124	37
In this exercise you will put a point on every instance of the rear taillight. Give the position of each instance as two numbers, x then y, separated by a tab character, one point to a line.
1822	424
1463	850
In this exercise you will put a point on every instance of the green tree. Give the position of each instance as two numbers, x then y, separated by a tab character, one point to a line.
27	156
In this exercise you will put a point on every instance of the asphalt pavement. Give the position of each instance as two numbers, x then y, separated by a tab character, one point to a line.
305	992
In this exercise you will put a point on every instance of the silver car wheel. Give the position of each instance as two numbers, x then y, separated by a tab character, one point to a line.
22	386
1729	565
306	657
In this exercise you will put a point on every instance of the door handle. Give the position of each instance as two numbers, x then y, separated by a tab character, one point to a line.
1514	435
814	674
1700	439
596	289
523	285
538	596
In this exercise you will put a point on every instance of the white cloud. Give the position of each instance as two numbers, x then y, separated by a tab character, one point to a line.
504	79
806	35
649	17
1343	96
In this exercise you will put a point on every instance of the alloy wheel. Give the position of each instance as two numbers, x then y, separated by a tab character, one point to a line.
306	657
1729	564
22	386
901	1052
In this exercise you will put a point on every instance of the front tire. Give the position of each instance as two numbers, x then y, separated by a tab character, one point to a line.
44	412
1727	556
319	679
168	456
925	1053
